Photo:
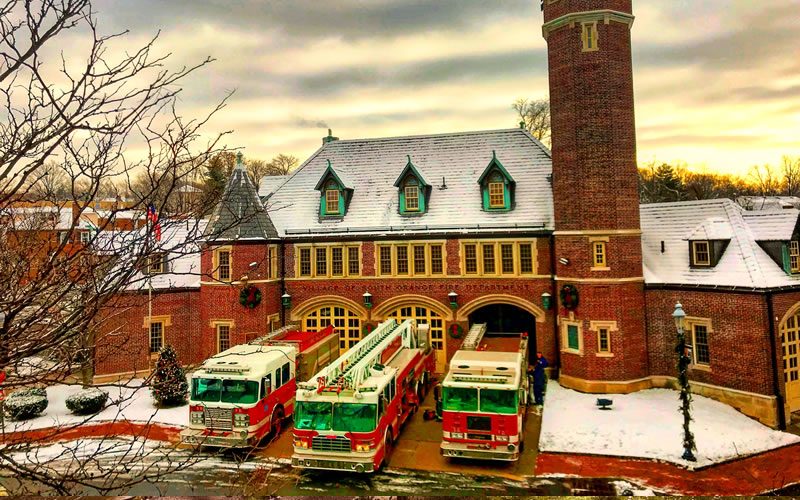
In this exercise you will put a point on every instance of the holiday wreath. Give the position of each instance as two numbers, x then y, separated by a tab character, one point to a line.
250	297
569	296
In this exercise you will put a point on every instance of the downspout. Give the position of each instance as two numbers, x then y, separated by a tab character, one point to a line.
554	300
776	385
282	274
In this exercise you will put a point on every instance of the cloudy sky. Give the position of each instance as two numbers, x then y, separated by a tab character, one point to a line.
717	81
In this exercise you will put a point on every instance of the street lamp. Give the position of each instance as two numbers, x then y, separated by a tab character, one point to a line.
367	299
683	378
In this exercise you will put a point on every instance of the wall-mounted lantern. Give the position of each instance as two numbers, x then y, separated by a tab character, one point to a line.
286	299
367	300
453	296
547	301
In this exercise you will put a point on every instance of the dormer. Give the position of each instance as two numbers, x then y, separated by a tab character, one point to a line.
335	193
497	187
777	232
413	190
708	242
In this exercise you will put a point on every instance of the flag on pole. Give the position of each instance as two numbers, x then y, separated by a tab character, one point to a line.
153	217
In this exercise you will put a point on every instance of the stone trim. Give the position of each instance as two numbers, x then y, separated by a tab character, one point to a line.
606	16
309	305
757	406
388	306
601	280
485	300
599	232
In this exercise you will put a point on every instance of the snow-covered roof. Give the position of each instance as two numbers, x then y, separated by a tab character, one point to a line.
180	242
269	183
768	202
456	160
772	226
713	228
46	218
743	264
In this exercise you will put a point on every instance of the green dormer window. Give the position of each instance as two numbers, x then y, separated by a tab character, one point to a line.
335	193
413	191
497	186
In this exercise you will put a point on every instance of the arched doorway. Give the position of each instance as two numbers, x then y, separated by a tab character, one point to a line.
506	320
790	341
346	322
424	315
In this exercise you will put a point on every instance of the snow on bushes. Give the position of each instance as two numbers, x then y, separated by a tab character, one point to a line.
26	403
87	402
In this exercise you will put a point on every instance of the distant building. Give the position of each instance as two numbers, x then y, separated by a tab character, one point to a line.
768	202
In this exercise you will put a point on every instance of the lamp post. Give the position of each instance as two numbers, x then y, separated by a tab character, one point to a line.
453	296
683	379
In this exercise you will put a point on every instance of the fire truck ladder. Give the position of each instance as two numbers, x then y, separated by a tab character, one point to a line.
271	335
353	367
473	338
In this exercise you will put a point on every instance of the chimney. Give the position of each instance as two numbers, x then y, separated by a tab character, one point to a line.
330	138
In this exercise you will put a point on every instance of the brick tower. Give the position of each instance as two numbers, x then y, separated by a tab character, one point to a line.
596	201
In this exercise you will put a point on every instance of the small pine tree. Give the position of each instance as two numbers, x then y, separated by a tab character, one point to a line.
169	385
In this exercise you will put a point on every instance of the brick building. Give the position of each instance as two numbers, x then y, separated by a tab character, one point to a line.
454	229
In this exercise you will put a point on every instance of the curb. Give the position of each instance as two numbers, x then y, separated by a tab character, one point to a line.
152	431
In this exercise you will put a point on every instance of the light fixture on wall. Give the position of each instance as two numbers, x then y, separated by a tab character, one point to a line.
286	300
563	260
367	300
546	301
453	296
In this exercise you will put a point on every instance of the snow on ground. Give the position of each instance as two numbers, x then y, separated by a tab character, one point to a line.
648	424
130	401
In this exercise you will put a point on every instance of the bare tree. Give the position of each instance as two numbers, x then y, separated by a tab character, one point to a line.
257	169
765	180
282	164
534	116
57	289
790	171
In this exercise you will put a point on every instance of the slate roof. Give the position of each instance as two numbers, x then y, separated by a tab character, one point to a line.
744	264
240	214
772	226
372	166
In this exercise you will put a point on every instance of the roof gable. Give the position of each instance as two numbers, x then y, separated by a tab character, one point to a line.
240	213
410	167
342	179
495	163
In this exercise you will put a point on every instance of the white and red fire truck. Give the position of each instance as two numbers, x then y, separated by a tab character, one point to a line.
349	414
241	394
484	397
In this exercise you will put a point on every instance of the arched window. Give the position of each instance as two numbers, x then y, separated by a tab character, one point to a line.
790	340
423	315
344	320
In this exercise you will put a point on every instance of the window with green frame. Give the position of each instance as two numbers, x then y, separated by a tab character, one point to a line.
573	342
332	201
412	196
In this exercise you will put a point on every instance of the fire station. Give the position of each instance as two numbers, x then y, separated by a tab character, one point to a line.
493	227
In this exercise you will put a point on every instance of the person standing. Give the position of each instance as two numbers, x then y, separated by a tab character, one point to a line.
537	370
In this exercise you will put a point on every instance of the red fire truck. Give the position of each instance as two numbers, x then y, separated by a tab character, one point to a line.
240	394
484	397
349	414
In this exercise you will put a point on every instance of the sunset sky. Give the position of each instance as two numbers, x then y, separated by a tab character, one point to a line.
717	82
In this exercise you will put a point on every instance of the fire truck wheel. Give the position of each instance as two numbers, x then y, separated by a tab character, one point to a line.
387	448
277	421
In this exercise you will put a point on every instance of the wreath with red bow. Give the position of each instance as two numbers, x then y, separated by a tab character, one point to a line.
250	297
569	296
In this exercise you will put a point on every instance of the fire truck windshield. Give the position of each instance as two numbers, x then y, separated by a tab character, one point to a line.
312	416
213	390
498	401
460	399
354	417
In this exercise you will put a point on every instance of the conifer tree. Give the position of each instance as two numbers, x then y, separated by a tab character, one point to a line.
169	385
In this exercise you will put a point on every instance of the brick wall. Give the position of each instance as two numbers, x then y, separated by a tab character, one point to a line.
553	9
124	342
739	346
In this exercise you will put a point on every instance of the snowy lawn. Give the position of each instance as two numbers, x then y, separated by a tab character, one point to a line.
648	424
129	401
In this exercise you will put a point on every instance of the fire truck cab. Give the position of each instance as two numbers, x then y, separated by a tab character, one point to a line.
241	394
349	415
484	397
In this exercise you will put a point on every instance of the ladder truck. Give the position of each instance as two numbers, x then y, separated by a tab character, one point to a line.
241	394
484	397
348	415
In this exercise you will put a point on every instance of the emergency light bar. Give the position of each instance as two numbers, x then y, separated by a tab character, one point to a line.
500	379
220	369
